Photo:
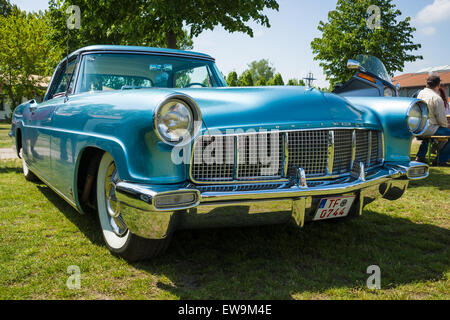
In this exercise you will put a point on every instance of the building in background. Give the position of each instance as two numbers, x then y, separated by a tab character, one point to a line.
410	83
6	105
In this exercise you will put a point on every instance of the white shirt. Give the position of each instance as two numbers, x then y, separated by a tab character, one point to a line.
437	110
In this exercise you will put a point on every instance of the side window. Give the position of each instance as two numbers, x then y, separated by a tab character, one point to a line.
61	85
195	77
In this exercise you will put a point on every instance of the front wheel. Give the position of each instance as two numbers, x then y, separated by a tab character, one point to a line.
29	176
118	238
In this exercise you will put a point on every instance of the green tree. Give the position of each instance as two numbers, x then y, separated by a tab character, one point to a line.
115	22
347	33
295	82
5	8
261	69
199	15
277	80
156	22
27	55
232	79
245	80
261	82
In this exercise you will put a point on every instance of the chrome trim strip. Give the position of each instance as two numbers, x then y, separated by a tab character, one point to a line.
152	53
362	172
352	185
330	155
285	154
296	130
353	150
236	158
369	148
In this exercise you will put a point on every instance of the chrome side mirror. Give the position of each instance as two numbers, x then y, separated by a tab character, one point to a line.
353	65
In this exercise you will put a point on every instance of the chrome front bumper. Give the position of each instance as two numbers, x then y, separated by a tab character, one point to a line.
219	207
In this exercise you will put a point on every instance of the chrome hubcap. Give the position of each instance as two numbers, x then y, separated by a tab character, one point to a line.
112	205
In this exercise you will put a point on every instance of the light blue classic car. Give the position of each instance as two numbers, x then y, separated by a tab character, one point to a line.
153	141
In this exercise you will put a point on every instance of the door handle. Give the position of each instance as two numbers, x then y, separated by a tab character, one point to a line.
33	105
33	108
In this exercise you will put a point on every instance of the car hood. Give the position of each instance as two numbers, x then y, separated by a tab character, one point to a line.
274	107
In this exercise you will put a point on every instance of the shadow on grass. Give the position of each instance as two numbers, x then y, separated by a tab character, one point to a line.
438	179
10	167
277	262
86	223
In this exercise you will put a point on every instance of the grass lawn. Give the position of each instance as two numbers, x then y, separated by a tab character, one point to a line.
5	140
41	236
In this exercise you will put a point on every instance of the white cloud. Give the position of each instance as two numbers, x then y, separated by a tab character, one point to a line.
438	11
428	31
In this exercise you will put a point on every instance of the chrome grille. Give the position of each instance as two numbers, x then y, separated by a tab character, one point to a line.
362	146
376	150
218	165
277	156
308	150
342	151
260	155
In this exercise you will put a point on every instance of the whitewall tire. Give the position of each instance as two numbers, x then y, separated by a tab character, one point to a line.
118	238
29	176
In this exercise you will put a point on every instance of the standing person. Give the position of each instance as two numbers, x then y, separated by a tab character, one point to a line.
438	120
444	97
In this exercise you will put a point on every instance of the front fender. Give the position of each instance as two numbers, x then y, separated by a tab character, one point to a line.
392	115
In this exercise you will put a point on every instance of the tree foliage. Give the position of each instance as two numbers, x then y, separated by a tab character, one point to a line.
346	34
115	22
296	82
200	15
246	79
232	79
27	55
261	82
277	80
261	70
157	23
5	8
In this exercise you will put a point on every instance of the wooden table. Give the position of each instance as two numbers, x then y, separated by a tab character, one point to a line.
431	141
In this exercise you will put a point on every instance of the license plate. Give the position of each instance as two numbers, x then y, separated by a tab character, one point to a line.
331	208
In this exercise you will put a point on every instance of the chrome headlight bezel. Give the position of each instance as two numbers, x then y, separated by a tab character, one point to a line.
194	125
389	92
420	118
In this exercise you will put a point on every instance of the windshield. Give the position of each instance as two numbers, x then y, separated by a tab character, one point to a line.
124	71
373	65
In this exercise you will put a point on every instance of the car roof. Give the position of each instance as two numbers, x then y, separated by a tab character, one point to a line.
164	51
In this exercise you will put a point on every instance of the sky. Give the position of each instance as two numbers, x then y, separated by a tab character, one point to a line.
287	43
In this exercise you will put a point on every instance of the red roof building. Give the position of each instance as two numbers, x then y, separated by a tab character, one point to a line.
410	83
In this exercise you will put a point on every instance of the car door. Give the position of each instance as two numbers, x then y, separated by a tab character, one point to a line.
39	133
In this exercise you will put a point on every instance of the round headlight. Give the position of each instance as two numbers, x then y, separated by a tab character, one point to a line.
177	120
174	121
388	92
417	118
